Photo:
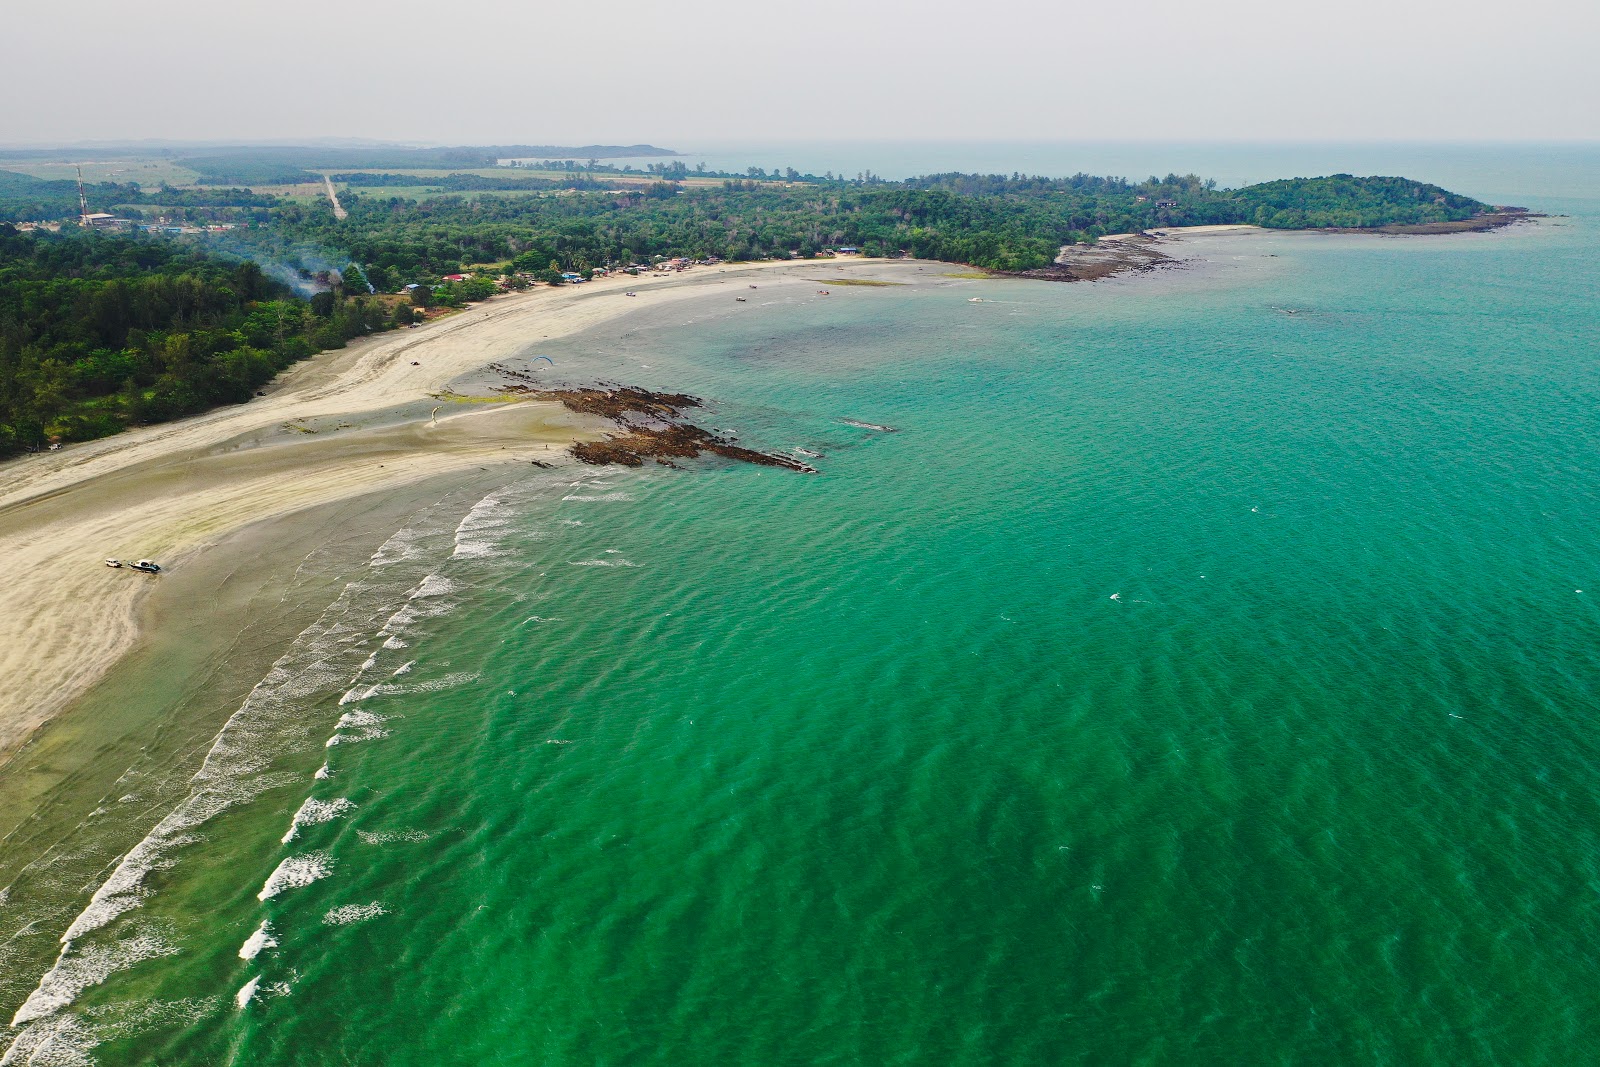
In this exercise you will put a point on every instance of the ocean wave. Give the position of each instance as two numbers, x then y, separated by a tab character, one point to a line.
478	550
359	719
238	769
258	942
247	991
68	1040
448	681
373	734
602	563
354	913
295	872
313	812
73	974
389	837
596	496
366	725
433	585
124	890
485	517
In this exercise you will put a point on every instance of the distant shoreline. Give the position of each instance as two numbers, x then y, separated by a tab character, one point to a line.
1128	253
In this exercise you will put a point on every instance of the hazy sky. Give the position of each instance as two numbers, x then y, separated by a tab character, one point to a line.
685	72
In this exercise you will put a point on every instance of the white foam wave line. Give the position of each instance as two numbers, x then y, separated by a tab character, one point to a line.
360	719
258	942
68	1040
433	585
124	890
354	913
404	668
594	497
393	642
63	1041
313	812
368	726
478	550
71	975
473	540
295	872
240	750
247	991
603	563
389	837
449	681
372	734
323	771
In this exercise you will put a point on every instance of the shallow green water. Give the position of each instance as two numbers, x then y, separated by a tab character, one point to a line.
1205	671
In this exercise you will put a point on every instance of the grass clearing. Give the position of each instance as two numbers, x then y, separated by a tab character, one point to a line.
148	173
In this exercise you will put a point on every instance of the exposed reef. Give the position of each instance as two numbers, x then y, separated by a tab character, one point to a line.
653	426
1109	256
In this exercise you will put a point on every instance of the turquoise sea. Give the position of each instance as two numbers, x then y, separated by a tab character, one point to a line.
1205	670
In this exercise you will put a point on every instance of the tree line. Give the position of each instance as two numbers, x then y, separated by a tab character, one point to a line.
99	331
996	222
103	331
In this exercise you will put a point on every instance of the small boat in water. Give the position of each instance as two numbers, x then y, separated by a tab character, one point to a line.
148	566
113	563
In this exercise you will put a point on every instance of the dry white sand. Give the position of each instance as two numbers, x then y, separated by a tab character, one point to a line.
166	492
1206	231
1186	231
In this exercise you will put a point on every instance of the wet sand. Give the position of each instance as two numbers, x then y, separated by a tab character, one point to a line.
351	424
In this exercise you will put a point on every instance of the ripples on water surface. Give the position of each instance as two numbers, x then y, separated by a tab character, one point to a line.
1188	680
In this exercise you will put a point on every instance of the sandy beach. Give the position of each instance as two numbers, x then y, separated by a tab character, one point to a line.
342	425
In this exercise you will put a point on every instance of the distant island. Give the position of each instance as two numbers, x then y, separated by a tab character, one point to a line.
157	289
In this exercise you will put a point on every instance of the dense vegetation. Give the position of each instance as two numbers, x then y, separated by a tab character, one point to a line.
1344	201
98	331
101	331
995	222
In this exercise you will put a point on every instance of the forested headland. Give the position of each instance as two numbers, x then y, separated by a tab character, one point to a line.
99	331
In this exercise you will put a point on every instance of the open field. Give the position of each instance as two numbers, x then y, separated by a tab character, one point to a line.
149	173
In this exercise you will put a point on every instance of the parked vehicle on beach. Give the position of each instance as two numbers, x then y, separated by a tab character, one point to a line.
148	566
113	563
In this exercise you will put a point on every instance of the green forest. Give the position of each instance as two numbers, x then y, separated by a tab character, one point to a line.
99	331
996	223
